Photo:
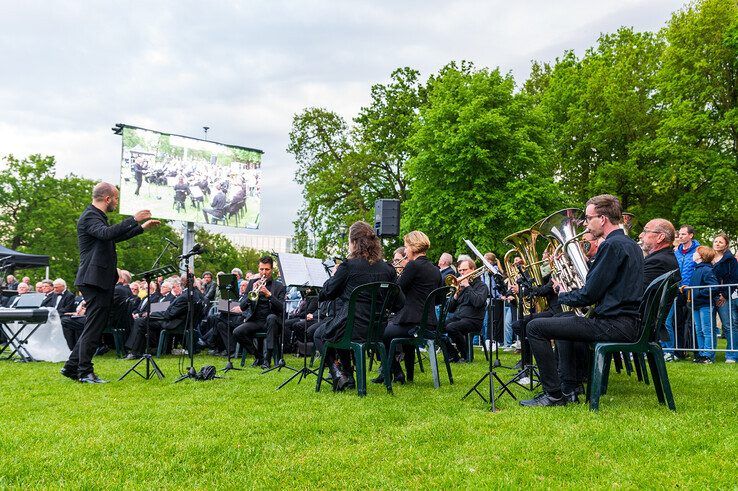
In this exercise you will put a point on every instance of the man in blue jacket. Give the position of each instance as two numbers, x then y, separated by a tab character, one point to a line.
679	329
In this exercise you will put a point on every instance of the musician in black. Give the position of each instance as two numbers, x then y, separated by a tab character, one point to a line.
139	167
300	319
263	315
97	272
614	285
217	207
181	190
468	306
419	277
218	328
363	265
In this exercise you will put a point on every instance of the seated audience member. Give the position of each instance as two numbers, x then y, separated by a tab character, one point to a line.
64	301
39	287
73	323
444	264
468	307
217	207
23	288
726	272
11	283
172	318
656	239
702	304
47	288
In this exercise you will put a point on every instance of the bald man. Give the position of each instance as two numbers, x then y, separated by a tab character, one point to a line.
97	273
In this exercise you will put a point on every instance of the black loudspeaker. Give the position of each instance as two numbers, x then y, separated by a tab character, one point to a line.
387	217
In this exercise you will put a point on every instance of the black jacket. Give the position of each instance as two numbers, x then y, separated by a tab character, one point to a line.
276	301
176	313
210	291
418	279
66	303
306	306
350	274
658	263
471	302
726	272
97	257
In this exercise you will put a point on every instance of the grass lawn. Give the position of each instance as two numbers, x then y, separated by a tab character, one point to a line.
241	433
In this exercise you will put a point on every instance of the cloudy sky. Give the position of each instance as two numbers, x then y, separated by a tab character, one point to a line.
71	70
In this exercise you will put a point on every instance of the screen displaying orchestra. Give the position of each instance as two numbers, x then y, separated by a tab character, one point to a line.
192	180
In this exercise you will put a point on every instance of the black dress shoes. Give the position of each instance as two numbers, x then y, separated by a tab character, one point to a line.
572	397
544	400
69	373
91	378
257	363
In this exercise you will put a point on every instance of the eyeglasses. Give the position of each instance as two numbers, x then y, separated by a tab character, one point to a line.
646	231
590	217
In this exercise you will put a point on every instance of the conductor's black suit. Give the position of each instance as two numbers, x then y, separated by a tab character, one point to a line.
96	278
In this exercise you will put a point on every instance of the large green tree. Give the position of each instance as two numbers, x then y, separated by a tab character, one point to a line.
698	93
479	169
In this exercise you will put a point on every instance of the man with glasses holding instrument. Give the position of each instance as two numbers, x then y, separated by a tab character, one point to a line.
614	286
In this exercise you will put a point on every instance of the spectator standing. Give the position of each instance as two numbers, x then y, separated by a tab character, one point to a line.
726	272
678	328
702	303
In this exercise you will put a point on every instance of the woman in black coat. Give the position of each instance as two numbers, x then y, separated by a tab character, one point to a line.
363	265
419	277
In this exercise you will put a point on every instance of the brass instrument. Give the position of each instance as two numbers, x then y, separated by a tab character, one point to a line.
254	293
524	243
396	262
454	282
568	261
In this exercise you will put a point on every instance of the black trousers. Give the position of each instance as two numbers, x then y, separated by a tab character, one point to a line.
72	328
246	332
457	331
98	301
298	329
136	342
395	330
519	329
566	330
221	328
498	323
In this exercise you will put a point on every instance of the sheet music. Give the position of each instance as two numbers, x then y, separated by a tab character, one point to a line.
479	255
298	270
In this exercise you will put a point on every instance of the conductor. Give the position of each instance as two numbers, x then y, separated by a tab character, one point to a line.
97	273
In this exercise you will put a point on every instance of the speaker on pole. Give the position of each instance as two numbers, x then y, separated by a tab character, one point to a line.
387	217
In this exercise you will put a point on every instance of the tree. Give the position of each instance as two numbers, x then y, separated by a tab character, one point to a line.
480	154
343	169
698	94
222	255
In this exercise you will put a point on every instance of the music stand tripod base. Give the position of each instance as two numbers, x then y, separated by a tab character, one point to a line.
151	368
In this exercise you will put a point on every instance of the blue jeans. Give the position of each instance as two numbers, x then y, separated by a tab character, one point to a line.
729	317
705	332
508	325
670	344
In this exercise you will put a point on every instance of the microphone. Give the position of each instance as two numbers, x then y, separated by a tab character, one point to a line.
170	242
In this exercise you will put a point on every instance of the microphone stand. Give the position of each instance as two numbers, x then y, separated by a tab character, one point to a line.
230	293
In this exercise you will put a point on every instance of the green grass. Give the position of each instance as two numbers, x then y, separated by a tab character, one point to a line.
241	433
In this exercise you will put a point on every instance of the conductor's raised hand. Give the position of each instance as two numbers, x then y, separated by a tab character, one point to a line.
149	224
142	215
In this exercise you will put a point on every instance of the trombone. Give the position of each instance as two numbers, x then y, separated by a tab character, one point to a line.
454	282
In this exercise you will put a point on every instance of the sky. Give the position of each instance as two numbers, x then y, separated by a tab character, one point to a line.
73	69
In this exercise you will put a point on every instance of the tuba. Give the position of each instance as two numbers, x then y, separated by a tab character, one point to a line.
568	262
524	243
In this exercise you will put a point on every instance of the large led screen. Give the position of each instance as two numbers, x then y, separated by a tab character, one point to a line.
188	179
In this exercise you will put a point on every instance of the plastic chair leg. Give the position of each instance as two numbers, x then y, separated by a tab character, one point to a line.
118	341
321	369
163	338
444	350
386	367
433	360
606	372
618	362
360	359
627	363
420	358
598	366
656	377
644	368
470	347
661	365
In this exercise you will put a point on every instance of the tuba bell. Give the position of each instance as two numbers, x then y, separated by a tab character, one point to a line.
524	243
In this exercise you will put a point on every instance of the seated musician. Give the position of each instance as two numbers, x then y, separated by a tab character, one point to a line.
468	306
263	315
214	334
614	285
419	277
299	321
363	265
217	207
399	260
181	190
172	318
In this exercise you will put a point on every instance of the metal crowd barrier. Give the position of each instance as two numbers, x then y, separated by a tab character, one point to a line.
731	335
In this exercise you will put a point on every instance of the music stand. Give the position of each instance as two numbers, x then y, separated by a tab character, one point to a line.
304	273
228	286
151	366
491	373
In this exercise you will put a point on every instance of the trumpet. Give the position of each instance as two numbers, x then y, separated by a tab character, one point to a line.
254	293
454	282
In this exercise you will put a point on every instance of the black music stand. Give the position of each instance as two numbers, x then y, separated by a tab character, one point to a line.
305	273
151	366
228	286
491	373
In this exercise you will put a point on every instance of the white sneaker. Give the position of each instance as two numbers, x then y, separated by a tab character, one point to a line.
668	357
524	381
730	361
516	345
508	348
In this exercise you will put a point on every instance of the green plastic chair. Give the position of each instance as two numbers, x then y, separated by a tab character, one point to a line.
428	336
381	296
655	307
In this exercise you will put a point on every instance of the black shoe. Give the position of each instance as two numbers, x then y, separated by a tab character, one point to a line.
399	378
378	380
698	359
572	397
101	350
544	400
257	363
69	373
91	378
350	382
266	365
132	356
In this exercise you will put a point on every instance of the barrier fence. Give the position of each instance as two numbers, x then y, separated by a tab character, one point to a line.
695	328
